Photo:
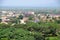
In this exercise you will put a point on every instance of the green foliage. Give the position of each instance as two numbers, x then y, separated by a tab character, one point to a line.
29	31
20	17
30	17
0	20
54	38
17	34
4	25
4	39
58	21
15	20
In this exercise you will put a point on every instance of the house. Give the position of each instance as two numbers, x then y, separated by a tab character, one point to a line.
24	20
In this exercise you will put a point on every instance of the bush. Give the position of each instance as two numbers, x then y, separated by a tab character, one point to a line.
4	25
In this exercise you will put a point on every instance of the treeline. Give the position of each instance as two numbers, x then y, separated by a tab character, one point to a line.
30	31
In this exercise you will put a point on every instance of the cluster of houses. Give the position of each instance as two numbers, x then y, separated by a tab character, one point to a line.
49	17
6	15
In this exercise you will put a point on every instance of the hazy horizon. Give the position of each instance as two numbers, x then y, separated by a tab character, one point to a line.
30	3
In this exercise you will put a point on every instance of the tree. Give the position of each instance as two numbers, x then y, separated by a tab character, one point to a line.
20	17
0	20
58	21
30	17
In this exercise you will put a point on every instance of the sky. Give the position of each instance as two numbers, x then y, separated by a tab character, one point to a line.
29	3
